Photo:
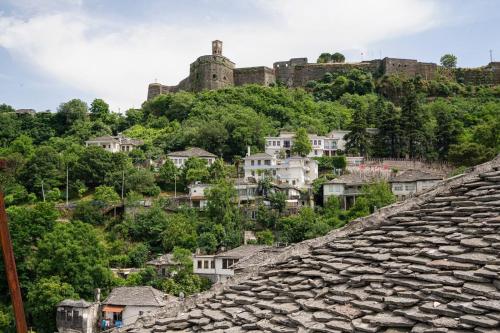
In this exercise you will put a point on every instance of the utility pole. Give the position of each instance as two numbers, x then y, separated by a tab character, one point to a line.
43	192
123	183
175	182
67	185
10	267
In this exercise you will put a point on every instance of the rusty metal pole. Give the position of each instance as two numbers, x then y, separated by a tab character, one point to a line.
10	267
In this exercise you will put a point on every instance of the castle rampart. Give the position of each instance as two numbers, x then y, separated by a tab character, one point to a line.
215	71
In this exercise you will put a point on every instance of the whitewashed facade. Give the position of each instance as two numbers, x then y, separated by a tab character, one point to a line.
328	145
295	171
114	144
219	267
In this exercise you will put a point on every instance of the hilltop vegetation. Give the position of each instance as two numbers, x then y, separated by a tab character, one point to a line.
68	255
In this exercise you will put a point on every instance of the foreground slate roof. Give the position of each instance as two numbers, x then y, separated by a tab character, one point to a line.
430	264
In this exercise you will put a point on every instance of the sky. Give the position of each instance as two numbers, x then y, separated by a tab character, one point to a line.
54	50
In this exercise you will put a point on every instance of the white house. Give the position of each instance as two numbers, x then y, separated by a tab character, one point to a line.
180	157
77	316
197	195
114	144
328	145
219	267
296	171
407	183
125	305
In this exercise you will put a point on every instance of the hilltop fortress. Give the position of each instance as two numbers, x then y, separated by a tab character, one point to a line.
215	71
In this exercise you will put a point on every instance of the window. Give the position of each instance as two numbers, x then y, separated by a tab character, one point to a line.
319	142
199	264
278	143
274	172
274	143
267	162
268	143
315	152
103	146
253	173
228	263
205	264
410	187
259	162
252	162
214	76
163	271
212	264
398	187
315	142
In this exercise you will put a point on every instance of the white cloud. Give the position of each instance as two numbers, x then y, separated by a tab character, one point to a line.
116	61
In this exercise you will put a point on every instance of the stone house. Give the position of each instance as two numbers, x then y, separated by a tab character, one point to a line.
347	188
219	267
407	183
125	305
163	264
77	316
114	144
180	157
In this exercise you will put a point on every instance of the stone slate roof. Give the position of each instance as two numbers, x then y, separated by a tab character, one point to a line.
117	139
81	303
165	259
192	152
242	251
430	264
413	176
259	156
354	179
140	296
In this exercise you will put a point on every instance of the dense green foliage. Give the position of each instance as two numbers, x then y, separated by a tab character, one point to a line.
67	254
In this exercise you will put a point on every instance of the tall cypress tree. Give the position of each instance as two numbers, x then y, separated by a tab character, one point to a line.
358	139
413	121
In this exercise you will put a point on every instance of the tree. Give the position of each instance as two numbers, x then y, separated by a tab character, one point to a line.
217	170
278	201
99	109
337	57
107	195
414	122
448	129
265	237
324	58
42	300
74	252
358	139
89	212
179	231
207	242
469	154
301	144
387	142
168	172
448	61
184	281
195	169
69	113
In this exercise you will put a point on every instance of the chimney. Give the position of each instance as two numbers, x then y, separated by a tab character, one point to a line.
98	295
248	151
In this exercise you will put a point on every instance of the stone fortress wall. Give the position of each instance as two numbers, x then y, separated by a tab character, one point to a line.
215	71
